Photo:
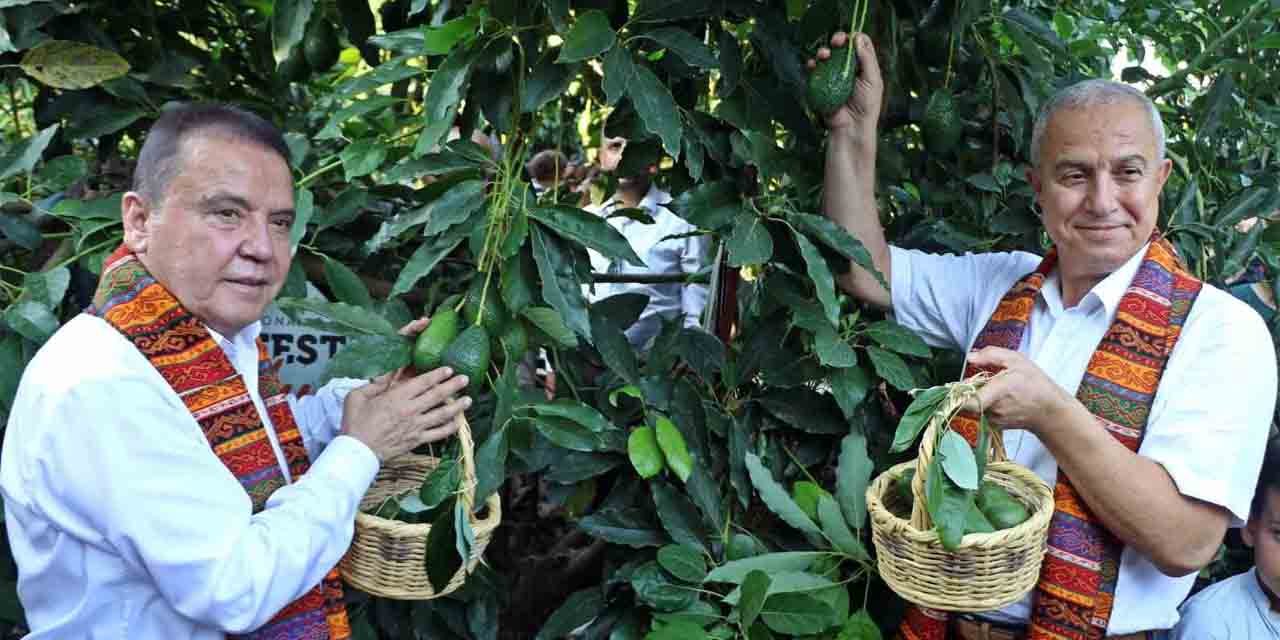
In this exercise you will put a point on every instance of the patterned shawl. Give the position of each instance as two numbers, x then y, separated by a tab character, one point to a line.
180	347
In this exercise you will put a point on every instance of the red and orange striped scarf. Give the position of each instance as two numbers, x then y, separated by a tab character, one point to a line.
1074	597
180	347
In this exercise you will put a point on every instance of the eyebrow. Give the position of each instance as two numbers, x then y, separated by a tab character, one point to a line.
235	200
1133	158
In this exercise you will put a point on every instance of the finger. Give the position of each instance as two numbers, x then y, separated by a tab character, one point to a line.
993	359
441	393
839	39
422	384
810	64
415	327
823	53
443	421
868	64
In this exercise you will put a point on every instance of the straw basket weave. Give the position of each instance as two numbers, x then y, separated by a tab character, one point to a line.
988	570
387	557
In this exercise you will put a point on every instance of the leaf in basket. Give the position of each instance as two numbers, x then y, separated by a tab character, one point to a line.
442	551
775	497
441	483
916	417
464	535
958	460
948	506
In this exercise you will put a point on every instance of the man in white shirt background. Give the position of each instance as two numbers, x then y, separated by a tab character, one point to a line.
156	483
668	245
1152	469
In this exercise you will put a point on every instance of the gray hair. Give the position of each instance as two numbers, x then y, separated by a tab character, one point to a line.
1089	93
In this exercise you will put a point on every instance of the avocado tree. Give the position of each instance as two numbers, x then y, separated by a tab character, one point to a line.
711	486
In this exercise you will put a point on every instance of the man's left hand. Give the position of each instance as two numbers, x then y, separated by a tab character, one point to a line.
414	328
1021	395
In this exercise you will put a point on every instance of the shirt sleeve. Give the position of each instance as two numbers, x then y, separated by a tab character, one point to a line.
319	415
693	297
1215	404
160	498
947	298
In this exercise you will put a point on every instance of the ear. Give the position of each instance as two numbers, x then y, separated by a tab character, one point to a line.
1162	174
138	219
1033	178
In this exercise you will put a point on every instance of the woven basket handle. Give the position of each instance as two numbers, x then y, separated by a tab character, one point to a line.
468	484
919	513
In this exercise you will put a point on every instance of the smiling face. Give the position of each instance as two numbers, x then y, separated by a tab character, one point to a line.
219	239
1098	182
1263	534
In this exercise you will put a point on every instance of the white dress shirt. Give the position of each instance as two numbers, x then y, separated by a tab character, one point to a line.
125	524
671	255
1234	609
1213	404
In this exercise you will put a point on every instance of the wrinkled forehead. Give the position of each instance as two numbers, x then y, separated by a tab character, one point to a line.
1112	127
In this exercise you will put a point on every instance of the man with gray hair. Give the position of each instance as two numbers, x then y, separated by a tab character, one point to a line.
1124	382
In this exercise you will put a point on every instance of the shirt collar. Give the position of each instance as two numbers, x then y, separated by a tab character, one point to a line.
246	338
652	199
1107	292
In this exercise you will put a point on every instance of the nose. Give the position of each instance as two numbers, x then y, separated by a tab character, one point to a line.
256	244
1102	194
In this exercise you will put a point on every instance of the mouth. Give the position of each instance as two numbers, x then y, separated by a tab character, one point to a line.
251	284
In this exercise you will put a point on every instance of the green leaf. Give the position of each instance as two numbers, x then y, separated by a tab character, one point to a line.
852	477
835	237
1244	204
820	274
590	36
441	484
442	558
549	322
588	230
441	40
31	319
335	317
837	530
796	613
684	562
730	63
653	588
892	368
455	206
303	209
615	351
105	208
1269	41
750	242
677	514
1218	101
11	365
674	448
657	108
443	94
644	453
703	351
464	536
567	433
685	45
860	626
582	414
736	571
369	356
709	206
755	589
23	156
362	157
775	497
103	122
346	284
631	527
20	230
65	64
850	387
896	337
806	494
788	582
578	609
560	284
288	25
958	460
575	466
916	417
48	287
948	506
424	259
491	457
619	74
517	282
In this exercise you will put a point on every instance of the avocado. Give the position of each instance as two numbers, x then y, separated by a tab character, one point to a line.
514	341
1001	509
942	127
294	68
976	522
469	354
320	44
493	316
428	350
831	82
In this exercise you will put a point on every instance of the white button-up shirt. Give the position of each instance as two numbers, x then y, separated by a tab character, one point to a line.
125	524
660	254
1209	419
1234	608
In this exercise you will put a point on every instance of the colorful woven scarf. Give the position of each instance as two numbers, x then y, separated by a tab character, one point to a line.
180	347
1074	597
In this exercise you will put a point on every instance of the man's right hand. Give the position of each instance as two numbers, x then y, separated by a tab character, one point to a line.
859	115
396	412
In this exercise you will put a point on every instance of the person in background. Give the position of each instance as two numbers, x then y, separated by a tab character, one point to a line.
1246	605
157	481
655	244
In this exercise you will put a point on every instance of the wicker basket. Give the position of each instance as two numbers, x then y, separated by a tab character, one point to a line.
988	570
387	557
